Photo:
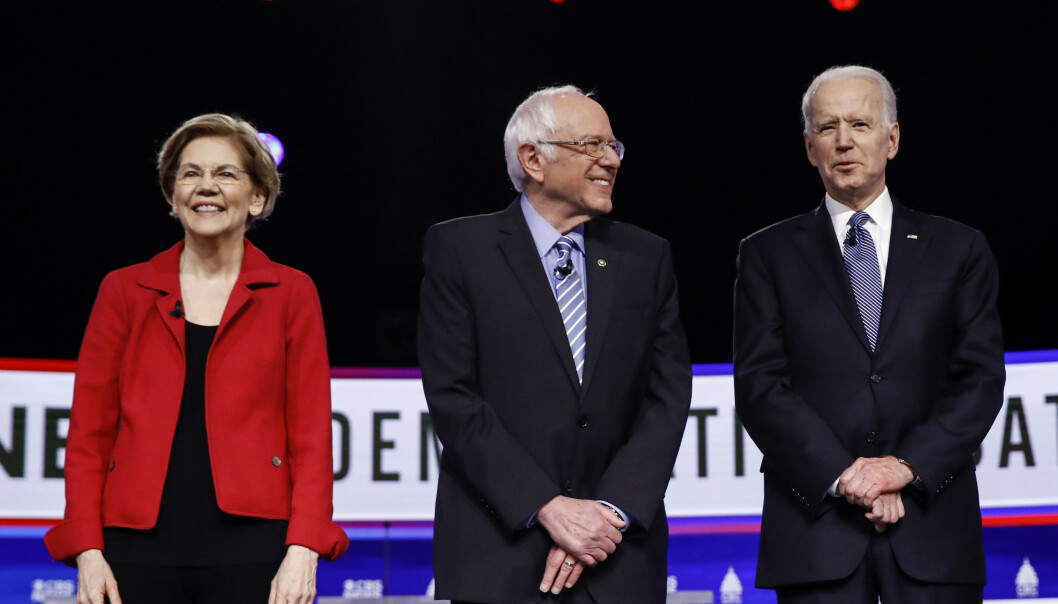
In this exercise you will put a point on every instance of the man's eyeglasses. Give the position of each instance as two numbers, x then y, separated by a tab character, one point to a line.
224	175
594	147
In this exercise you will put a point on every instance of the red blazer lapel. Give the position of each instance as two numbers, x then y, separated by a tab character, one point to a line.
257	271
162	274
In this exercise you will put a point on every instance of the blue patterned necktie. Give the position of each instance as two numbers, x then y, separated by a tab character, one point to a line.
861	261
569	291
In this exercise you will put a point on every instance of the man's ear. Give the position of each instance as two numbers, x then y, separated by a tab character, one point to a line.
808	148
532	161
894	140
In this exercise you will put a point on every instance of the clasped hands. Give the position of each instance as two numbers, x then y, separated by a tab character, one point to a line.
584	532
874	483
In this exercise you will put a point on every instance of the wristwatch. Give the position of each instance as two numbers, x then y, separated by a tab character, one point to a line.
904	462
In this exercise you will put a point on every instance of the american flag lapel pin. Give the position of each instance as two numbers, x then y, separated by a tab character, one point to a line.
910	236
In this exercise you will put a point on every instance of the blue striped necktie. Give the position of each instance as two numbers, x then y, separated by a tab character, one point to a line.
861	261
569	291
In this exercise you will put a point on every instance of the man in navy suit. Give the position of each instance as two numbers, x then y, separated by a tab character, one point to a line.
868	368
556	371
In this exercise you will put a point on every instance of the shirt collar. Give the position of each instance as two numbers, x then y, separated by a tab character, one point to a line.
880	210
545	235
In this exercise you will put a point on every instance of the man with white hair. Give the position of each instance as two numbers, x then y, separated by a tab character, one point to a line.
557	374
868	368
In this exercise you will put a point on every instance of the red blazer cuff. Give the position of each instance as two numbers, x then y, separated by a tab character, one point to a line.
71	537
322	536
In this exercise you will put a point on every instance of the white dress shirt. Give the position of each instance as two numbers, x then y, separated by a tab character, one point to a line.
880	226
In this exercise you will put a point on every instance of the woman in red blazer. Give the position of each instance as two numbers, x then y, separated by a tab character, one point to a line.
198	459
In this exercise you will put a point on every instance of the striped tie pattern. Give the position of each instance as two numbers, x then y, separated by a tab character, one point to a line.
569	291
861	261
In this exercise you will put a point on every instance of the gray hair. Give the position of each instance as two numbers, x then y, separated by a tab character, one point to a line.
850	72
534	120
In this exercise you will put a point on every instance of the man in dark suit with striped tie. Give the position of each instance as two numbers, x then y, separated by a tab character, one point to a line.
556	371
868	368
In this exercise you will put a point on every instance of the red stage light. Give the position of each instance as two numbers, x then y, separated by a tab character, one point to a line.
557	1
844	5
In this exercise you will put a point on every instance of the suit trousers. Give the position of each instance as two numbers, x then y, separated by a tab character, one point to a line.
880	575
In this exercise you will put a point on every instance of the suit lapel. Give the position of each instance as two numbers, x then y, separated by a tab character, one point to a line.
520	252
905	257
601	263
817	242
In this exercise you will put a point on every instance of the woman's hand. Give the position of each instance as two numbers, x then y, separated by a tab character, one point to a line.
95	579
295	581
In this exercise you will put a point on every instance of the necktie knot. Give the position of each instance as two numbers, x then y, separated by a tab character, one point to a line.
859	219
564	264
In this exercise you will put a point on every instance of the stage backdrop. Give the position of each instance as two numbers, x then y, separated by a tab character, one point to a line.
386	452
385	464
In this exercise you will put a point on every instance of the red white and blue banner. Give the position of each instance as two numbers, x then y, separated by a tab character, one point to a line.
386	454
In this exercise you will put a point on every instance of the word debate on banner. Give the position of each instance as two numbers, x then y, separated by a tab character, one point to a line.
386	452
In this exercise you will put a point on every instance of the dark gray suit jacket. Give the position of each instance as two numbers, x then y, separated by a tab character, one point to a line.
516	425
814	397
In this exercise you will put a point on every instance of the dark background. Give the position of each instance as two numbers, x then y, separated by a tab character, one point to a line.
393	112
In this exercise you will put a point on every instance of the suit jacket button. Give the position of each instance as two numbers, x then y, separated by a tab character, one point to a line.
110	468
871	436
567	486
276	461
582	421
875	378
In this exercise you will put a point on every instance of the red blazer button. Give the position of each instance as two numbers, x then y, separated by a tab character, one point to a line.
110	468
276	461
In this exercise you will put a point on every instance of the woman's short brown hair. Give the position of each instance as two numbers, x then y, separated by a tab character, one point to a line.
258	160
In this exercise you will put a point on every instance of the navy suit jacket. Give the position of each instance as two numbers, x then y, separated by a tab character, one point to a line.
814	397
517	426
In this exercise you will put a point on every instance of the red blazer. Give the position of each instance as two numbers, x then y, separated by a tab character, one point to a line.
268	405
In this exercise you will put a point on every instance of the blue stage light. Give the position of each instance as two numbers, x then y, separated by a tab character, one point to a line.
274	146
